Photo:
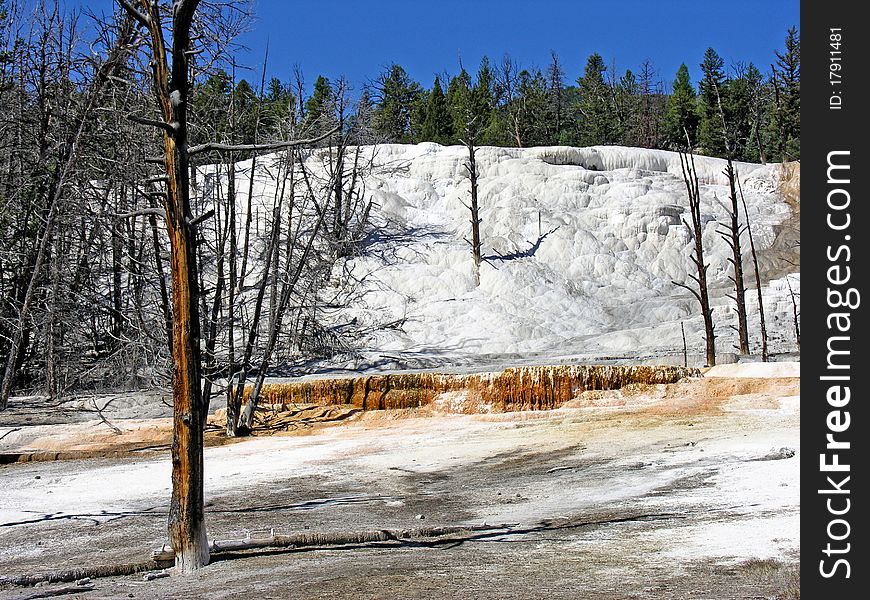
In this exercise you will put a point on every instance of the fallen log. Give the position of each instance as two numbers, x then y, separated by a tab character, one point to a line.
338	538
81	573
72	589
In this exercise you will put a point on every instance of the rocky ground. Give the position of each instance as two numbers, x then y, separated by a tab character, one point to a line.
688	490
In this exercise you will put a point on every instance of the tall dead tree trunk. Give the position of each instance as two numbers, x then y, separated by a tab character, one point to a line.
187	531
732	238
795	314
474	208
764	352
690	177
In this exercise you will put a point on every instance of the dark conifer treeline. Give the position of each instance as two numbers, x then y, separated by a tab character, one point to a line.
533	107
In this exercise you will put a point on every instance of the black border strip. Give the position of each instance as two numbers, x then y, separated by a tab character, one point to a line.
828	256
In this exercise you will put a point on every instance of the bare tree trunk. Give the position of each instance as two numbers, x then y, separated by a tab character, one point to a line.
795	314
117	308
161	275
187	531
232	405
52	385
241	427
732	238
758	142
471	167
217	300
690	177
685	347
764	352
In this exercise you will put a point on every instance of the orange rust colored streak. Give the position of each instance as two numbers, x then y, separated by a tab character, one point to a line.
524	388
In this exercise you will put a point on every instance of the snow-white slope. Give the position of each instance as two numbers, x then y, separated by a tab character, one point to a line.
598	239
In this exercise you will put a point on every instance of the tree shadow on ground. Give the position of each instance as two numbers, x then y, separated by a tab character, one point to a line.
527	253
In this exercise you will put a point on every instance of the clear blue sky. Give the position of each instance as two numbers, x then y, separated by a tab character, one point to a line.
357	38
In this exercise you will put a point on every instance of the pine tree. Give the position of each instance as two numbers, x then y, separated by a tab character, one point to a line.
483	102
209	108
279	110
759	99
595	107
786	80
438	123
320	107
681	114
534	108
556	93
459	99
710	135
737	115
397	96
245	107
626	99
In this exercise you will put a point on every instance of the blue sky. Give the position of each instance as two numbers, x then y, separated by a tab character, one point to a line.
358	38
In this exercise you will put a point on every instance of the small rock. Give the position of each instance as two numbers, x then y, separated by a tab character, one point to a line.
781	454
84	581
419	517
38	477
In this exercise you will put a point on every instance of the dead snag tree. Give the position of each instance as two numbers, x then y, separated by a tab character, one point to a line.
170	66
474	207
796	315
290	279
764	351
470	131
731	235
690	177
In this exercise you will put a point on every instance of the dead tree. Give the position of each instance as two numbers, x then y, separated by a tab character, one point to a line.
685	346
473	207
170	64
795	312
764	352
690	177
239	372
170	68
731	235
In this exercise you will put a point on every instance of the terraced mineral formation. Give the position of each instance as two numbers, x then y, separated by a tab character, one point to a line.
523	388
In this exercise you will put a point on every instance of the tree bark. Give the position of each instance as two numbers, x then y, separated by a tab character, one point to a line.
690	176
764	351
187	532
733	240
471	167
